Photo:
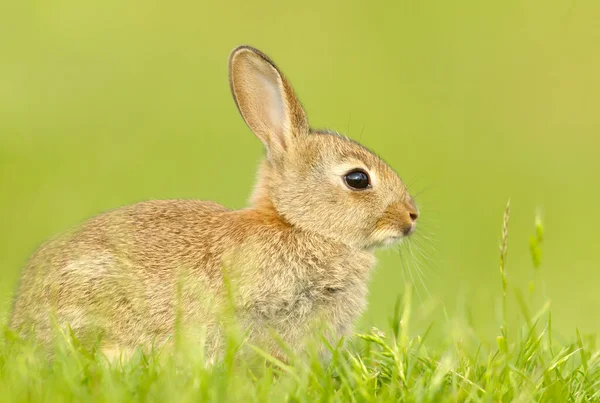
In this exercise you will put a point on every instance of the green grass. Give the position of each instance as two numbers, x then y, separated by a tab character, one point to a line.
523	364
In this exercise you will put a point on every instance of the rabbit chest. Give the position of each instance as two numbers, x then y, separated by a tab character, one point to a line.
283	291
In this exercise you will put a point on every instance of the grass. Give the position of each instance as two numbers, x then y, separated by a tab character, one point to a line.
526	364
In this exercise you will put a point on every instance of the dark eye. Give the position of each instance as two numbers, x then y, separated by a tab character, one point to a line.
357	179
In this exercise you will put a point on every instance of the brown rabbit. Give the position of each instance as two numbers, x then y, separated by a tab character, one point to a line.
299	255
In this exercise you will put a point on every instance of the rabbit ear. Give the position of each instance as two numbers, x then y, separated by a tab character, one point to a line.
265	100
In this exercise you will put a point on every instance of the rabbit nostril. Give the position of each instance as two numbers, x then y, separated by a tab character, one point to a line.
414	216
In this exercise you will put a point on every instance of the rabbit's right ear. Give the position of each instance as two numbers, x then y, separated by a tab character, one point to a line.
266	100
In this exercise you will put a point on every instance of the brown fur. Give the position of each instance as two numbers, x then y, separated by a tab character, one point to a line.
299	255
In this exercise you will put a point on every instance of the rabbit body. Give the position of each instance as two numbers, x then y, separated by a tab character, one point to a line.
121	271
297	258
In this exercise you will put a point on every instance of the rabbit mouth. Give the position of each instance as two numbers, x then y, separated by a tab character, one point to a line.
391	236
398	238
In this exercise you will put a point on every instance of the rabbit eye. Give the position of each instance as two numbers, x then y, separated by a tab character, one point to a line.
357	179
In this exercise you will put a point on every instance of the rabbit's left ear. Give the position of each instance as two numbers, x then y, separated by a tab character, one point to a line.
266	100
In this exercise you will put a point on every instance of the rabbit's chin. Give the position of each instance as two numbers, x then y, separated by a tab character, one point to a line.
395	240
389	241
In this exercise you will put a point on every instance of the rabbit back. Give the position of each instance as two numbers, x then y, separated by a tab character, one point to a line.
117	274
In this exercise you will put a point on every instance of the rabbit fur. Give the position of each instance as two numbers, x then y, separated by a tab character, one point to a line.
298	256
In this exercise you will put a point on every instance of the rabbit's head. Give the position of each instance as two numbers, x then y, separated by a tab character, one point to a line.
316	181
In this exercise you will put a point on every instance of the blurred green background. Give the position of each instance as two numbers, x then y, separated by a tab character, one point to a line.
107	103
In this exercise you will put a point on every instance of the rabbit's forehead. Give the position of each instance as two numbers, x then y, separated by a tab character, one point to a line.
340	155
337	149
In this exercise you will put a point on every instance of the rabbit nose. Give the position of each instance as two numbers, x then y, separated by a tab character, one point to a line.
413	211
413	214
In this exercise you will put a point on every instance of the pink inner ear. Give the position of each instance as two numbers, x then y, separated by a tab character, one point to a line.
272	106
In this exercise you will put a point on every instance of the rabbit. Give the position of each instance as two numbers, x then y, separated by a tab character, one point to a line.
300	254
